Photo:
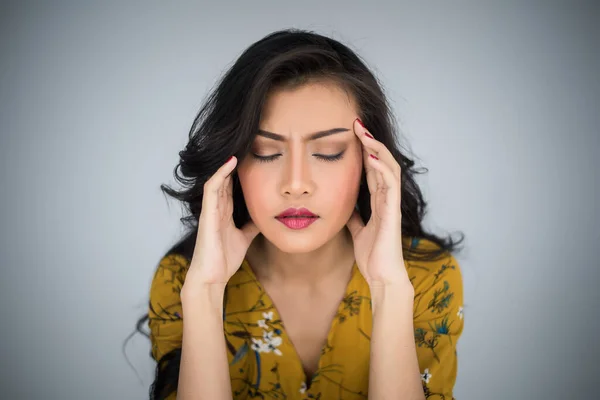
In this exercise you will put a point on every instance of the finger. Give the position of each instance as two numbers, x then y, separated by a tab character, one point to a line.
227	199
214	185
228	186
373	177
222	191
355	224
390	182
376	179
371	174
378	176
375	147
225	190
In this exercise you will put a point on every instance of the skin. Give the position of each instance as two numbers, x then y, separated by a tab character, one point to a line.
304	271
322	252
301	261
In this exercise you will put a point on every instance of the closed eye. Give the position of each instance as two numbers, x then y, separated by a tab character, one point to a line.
322	157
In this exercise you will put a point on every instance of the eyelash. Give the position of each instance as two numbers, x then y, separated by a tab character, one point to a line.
272	158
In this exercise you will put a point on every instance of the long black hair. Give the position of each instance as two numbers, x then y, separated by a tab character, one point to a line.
228	121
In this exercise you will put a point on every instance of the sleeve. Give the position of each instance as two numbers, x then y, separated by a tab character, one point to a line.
438	324
165	312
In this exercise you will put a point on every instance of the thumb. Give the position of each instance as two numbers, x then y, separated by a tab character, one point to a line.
355	224
250	230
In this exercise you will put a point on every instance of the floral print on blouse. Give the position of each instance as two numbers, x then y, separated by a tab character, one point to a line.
263	362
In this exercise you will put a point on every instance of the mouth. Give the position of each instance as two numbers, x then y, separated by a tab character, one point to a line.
297	223
296	213
295	218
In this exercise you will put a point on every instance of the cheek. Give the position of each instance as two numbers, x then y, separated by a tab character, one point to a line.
253	186
344	182
338	185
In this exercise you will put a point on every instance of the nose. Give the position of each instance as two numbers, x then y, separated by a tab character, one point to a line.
296	178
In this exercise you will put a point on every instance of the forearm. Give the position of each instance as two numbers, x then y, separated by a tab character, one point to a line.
204	370
394	368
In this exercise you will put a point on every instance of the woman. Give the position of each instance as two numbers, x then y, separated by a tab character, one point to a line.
306	272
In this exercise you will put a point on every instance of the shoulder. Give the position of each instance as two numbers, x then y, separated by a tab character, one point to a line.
165	311
166	284
170	272
427	274
438	301
438	319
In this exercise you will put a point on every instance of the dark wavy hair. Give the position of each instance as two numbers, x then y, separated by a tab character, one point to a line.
229	119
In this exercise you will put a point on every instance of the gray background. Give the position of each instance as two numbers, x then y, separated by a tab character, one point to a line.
499	100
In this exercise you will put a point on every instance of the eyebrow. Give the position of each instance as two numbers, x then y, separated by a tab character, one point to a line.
312	136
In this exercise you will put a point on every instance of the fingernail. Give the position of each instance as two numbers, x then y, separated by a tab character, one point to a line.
372	156
363	125
229	159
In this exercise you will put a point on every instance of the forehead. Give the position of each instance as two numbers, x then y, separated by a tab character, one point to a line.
308	108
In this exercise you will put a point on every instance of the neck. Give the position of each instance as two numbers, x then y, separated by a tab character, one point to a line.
331	261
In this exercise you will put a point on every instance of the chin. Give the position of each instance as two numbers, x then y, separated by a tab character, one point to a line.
298	241
294	242
296	248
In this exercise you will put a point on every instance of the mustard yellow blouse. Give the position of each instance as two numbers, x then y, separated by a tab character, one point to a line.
262	360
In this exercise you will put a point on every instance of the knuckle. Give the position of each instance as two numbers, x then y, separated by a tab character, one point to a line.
377	145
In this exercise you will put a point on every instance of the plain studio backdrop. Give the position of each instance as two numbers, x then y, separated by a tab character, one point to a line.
500	101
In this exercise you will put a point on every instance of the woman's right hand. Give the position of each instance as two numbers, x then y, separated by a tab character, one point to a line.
220	246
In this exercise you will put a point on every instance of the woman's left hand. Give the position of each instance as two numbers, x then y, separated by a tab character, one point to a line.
378	245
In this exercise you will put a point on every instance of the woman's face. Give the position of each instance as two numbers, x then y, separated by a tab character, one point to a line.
299	175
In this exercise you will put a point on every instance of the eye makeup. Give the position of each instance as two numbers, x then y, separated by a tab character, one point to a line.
322	157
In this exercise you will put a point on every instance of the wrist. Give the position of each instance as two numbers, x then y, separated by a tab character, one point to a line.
211	294
396	297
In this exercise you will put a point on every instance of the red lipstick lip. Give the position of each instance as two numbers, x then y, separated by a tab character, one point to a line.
297	212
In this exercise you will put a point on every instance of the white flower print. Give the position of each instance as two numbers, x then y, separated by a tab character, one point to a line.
268	336
272	342
267	317
303	387
267	344
278	352
262	324
425	376
259	346
460	312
